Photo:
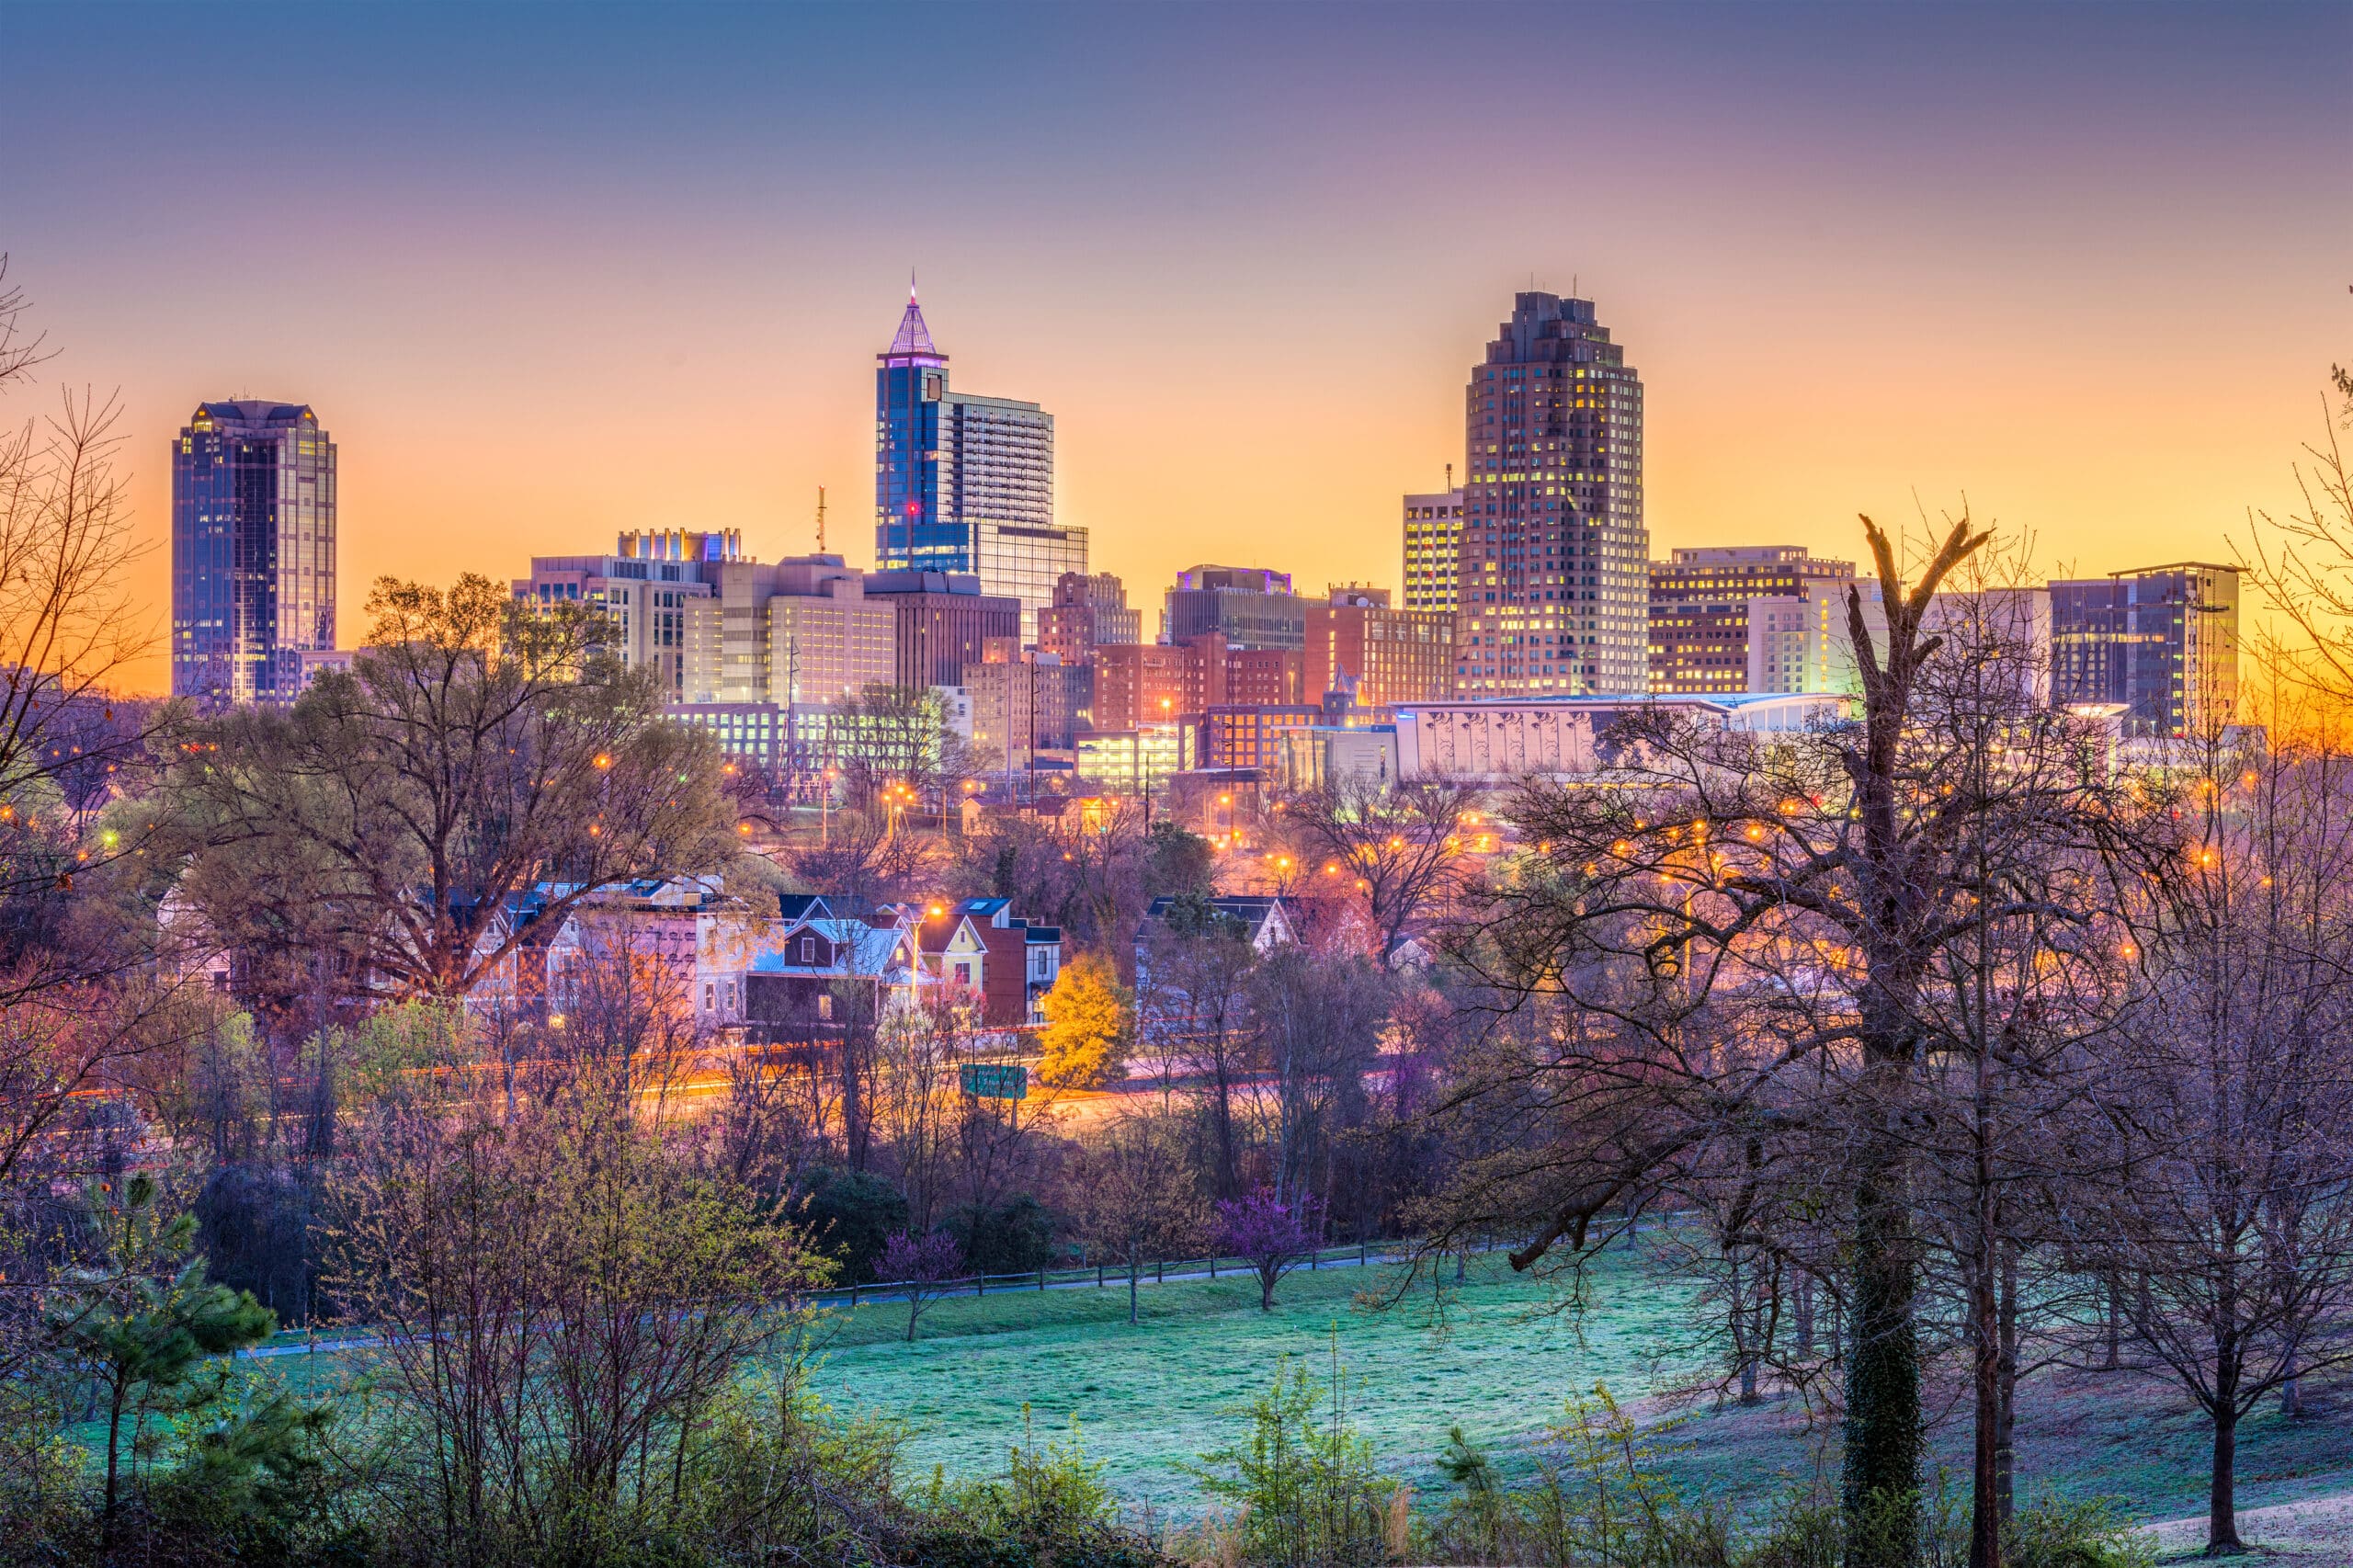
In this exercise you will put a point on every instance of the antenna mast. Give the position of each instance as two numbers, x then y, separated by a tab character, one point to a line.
820	519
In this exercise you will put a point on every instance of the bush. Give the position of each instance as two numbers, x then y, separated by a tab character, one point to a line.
1309	1491
851	1214
1049	1509
2053	1533
255	1228
1598	1498
1015	1237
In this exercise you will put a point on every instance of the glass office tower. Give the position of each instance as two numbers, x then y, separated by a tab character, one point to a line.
253	550
2162	642
963	483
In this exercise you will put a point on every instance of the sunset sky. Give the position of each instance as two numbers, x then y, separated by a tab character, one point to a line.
551	272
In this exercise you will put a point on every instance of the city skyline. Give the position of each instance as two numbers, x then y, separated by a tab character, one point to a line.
1980	302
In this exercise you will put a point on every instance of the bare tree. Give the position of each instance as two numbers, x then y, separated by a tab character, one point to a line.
1399	843
561	1301
477	754
2302	564
866	857
2230	1124
1193	1012
1729	937
1135	1193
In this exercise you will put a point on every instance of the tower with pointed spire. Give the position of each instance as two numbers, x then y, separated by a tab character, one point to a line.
964	483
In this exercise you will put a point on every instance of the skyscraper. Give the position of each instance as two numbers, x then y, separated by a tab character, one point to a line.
1553	572
253	550
964	483
2162	642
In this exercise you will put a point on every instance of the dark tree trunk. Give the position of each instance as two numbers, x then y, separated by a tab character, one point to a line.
1882	1449
858	1134
2222	1502
1986	1356
2006	1419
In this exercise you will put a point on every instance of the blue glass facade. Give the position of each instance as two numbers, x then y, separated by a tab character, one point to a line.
912	526
253	550
964	483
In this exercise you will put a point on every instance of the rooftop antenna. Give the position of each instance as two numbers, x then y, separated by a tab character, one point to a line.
820	519
1449	476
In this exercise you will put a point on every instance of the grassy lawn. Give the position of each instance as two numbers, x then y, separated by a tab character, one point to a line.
1163	1391
1501	1364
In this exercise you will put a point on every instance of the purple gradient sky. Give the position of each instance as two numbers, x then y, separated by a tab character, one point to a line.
551	271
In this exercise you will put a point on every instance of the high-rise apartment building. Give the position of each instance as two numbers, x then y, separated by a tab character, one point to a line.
1248	605
1723	618
253	550
1553	572
2162	642
1433	544
965	483
1388	654
1088	608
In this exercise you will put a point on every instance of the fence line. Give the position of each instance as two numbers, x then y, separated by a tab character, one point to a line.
1099	1276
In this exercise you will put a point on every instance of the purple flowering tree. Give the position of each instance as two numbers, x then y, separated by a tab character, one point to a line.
1273	1236
920	1266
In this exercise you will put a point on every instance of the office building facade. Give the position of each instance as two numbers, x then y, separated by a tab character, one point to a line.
827	642
718	627
943	622
1722	620
1088	608
2162	642
1025	703
1553	575
1386	654
1433	548
253	550
964	483
1248	605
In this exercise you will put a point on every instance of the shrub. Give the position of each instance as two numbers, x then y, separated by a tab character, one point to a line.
1309	1491
2054	1533
1015	1237
851	1214
1598	1499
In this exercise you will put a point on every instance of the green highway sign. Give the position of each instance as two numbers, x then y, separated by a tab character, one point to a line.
995	1080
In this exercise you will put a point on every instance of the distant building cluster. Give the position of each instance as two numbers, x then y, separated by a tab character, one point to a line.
1530	609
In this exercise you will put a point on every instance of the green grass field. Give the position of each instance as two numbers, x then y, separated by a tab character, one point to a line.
1165	1390
1501	1363
1154	1395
